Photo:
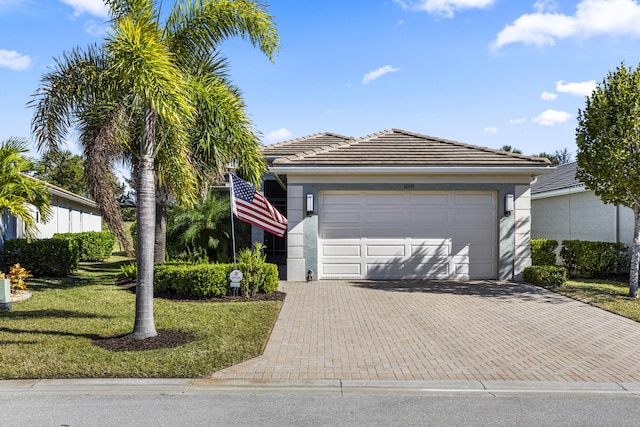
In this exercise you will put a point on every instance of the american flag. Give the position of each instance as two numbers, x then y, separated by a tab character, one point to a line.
251	206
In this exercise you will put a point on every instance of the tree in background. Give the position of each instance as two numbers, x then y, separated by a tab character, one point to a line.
132	100
608	139
18	192
203	231
63	169
510	149
559	157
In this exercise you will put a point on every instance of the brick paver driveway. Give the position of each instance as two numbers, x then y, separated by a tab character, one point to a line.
370	330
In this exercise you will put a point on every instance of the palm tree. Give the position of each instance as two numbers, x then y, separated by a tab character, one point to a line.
130	98
18	192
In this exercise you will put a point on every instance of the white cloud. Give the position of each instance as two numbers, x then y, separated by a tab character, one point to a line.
592	18
545	5
579	89
278	135
548	96
551	117
491	130
96	30
92	7
519	121
14	60
444	8
371	76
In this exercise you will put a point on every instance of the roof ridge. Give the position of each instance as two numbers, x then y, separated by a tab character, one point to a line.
346	140
302	138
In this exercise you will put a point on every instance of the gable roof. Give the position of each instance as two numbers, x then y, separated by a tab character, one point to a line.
399	148
309	143
563	178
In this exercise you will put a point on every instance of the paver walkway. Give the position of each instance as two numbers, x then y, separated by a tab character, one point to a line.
405	330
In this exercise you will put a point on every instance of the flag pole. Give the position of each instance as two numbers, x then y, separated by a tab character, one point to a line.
233	232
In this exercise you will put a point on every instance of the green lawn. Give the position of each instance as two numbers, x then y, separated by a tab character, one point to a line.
610	295
50	335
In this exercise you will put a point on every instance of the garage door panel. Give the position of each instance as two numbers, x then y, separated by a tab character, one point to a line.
385	250
487	199
433	217
402	235
347	270
337	199
431	270
341	250
436	249
342	233
383	232
436	199
381	217
384	200
441	232
350	218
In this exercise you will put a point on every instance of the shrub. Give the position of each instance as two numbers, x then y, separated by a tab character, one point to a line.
130	271
587	259
543	251
92	245
258	275
17	275
192	280
546	275
44	257
204	280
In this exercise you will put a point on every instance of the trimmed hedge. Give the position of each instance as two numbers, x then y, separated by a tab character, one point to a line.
543	251
44	257
212	280
92	245
546	275
601	259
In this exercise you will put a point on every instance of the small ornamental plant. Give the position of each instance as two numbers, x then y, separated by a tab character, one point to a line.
17	275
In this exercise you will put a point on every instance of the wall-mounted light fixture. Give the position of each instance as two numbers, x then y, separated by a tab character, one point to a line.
309	204
508	204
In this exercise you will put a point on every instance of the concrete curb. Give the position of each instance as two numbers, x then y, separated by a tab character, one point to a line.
131	386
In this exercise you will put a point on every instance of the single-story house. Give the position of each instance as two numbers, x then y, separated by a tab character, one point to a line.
399	205
563	208
71	213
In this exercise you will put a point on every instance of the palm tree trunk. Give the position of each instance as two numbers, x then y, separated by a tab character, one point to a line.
144	326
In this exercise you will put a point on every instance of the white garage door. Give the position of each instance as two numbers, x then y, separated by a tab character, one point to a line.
408	235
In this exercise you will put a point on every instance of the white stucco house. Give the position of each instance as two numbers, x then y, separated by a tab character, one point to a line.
71	213
563	208
399	205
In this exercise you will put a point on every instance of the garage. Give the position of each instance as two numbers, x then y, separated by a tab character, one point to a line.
402	205
408	235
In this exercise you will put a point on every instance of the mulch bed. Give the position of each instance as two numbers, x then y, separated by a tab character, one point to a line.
169	338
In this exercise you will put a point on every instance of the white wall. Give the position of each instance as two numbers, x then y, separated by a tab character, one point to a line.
580	216
69	217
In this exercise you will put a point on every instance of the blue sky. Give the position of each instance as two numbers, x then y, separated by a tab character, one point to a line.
483	72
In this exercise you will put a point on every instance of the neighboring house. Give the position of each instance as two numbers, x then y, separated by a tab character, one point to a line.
399	205
563	208
70	213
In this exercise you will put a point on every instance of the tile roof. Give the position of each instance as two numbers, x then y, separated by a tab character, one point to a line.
562	178
395	147
305	144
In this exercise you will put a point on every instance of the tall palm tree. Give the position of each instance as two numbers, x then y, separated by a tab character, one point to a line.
130	98
18	192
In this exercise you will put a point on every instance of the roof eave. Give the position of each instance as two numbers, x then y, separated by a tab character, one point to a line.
362	170
559	192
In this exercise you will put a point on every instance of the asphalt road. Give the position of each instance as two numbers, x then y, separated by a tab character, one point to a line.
140	403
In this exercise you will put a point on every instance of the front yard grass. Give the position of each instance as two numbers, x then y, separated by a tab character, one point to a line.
50	335
610	295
